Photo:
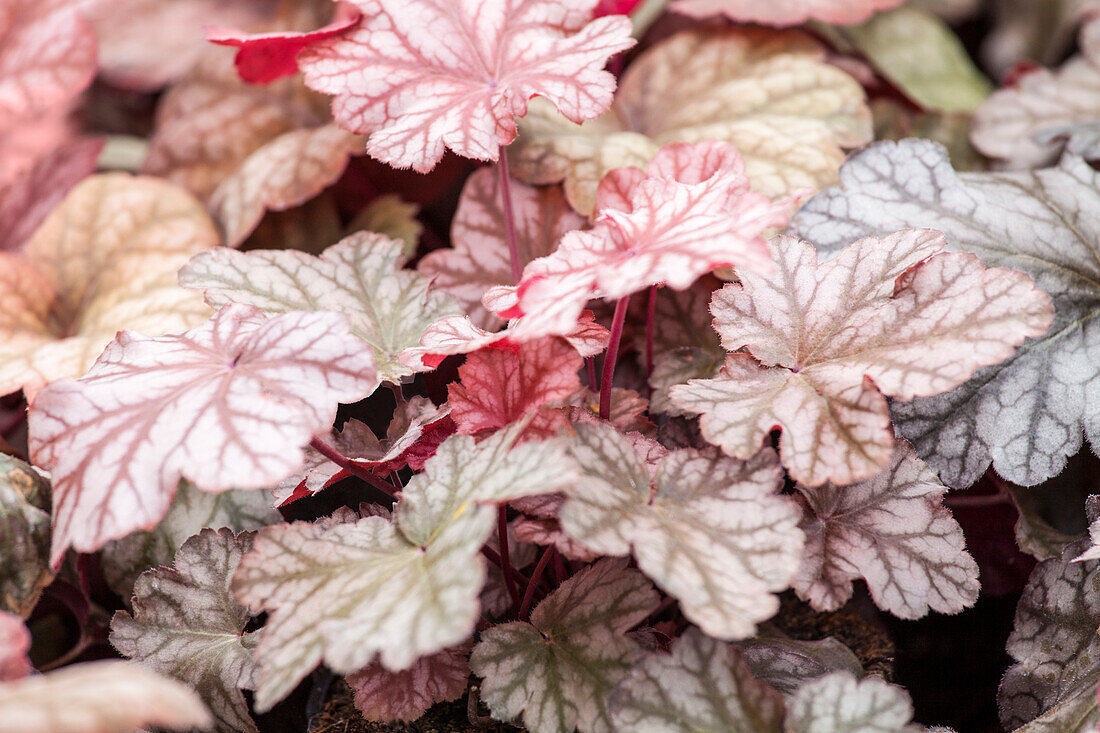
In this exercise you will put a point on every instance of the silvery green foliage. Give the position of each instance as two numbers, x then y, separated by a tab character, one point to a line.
840	703
786	663
191	511
187	625
559	669
24	535
1028	414
709	529
346	590
1056	643
703	685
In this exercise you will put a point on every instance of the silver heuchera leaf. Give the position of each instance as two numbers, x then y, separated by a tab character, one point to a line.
559	669
344	592
891	531
24	535
191	511
839	703
187	625
1056	643
1028	414
786	663
709	529
704	685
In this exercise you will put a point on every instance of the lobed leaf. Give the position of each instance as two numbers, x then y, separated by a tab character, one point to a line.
891	531
227	405
24	536
826	341
385	696
559	669
840	703
464	93
187	625
1027	415
767	93
708	529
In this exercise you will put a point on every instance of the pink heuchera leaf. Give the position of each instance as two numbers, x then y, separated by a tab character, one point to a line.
785	12
26	199
479	259
825	343
688	213
422	75
891	531
265	57
501	385
228	405
615	7
15	642
385	696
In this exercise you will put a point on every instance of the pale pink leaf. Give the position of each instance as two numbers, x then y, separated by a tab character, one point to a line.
785	12
385	696
710	530
264	57
228	405
286	172
104	259
47	57
549	532
402	589
559	669
15	643
891	531
691	213
826	341
768	93
104	697
361	276
703	685
498	386
424	75
24	536
28	198
628	409
187	625
479	258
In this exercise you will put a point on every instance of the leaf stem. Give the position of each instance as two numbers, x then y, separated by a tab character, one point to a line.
509	216
610	357
529	593
650	316
593	384
505	560
351	466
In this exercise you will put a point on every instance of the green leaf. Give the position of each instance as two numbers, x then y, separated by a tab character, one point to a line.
24	535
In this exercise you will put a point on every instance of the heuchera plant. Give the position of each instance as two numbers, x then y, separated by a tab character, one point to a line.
637	404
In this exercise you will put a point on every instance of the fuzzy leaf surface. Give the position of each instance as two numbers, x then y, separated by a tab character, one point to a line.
401	589
479	259
385	696
703	685
24	536
841	703
825	342
186	624
785	12
447	75
1028	414
559	669
1056	645
768	93
709	529
891	531
361	276
227	405
106	697
105	259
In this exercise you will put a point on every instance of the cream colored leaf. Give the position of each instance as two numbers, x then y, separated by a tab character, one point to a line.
710	530
559	669
785	12
361	276
402	589
24	536
104	697
389	214
187	625
826	341
227	405
104	260
841	703
768	93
